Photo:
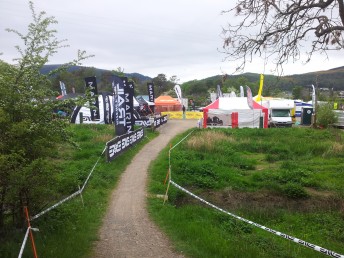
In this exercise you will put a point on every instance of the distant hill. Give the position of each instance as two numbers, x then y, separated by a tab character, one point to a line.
333	78
98	72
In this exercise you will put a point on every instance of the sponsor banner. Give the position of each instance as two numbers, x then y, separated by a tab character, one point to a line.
91	84
121	143
63	89
146	122
249	97
178	91
129	105
143	122
179	115
218	92
160	121
107	108
150	88
119	105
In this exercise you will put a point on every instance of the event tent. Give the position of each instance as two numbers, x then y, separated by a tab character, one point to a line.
219	113
167	103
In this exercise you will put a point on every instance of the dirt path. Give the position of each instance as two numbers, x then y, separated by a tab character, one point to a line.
127	230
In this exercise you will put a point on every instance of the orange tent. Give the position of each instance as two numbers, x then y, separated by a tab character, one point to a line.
167	103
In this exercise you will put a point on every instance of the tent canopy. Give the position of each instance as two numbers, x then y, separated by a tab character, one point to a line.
238	103
166	100
247	117
167	103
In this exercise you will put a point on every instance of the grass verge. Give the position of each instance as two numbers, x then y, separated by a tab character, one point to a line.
290	180
70	229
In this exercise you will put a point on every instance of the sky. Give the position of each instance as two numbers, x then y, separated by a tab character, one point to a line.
174	37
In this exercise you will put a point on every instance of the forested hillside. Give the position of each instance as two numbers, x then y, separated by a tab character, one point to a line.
198	90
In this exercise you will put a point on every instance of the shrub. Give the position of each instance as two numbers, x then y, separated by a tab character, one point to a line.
326	115
294	191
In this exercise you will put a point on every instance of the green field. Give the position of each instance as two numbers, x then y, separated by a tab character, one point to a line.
290	180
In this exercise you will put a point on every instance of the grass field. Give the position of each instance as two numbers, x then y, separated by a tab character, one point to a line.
70	229
290	180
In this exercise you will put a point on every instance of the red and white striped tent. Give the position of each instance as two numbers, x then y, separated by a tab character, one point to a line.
234	112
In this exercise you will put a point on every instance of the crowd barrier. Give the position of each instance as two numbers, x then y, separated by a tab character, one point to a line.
179	114
275	232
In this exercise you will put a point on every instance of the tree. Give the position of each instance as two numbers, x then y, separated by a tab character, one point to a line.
297	92
161	84
281	29
29	130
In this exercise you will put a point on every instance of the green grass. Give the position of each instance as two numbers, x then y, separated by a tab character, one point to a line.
290	180
70	229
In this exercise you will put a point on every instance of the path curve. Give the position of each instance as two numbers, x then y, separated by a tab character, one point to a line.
127	230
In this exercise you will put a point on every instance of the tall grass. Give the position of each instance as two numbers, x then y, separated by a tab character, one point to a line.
290	180
70	229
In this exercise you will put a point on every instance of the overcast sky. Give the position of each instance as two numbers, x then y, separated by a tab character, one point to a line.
173	37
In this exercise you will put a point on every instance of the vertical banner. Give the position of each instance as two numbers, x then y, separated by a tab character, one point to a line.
107	108
249	97
151	97
178	91
150	88
218	92
91	84
129	105
63	89
313	99
261	84
242	92
119	105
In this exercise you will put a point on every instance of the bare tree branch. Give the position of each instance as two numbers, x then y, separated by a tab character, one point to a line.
282	30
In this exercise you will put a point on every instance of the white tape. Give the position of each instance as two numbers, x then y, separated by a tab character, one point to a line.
24	243
71	196
182	140
291	238
55	205
89	175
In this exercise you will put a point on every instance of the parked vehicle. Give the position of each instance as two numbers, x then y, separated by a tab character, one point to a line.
280	112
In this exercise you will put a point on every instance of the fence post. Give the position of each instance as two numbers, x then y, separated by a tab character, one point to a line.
30	232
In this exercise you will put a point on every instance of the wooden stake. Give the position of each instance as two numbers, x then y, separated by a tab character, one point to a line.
30	232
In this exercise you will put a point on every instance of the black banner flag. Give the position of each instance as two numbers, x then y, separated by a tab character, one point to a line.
119	105
91	84
129	105
151	97
150	88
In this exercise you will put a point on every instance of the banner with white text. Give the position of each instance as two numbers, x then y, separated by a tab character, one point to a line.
121	143
91	85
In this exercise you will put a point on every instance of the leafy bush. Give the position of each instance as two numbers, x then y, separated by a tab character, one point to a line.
326	115
294	191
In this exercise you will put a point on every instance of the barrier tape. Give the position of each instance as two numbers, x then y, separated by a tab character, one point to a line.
71	196
89	175
24	243
182	140
291	238
55	205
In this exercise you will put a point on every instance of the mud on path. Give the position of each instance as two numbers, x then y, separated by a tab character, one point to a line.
127	230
